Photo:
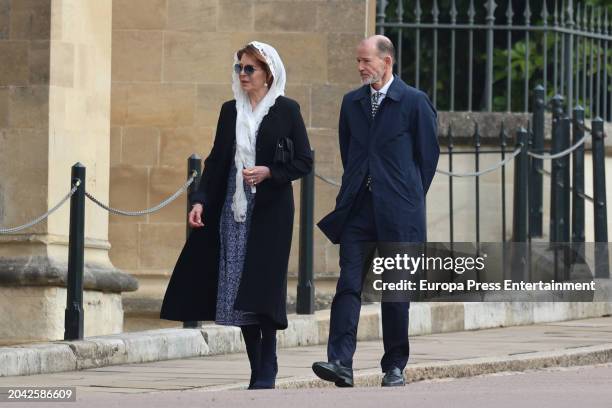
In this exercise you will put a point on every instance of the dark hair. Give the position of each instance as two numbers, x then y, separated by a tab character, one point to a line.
252	52
385	47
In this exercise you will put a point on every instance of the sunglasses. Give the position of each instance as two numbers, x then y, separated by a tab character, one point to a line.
248	69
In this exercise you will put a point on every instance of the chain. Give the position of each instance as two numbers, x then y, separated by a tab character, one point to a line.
148	210
45	215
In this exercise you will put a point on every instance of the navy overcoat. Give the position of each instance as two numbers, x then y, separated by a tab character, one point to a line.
399	149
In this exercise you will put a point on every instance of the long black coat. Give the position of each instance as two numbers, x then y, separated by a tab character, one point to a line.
192	291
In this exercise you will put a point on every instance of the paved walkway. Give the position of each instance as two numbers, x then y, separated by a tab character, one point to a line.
224	371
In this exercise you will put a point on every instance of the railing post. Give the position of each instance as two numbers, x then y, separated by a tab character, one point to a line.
503	145
568	44
520	209
74	316
563	199
305	302
555	194
490	18
194	163
535	177
380	17
602	265
578	187
477	181
519	218
564	181
451	212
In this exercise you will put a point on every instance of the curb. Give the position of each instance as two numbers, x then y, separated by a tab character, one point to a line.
578	356
303	330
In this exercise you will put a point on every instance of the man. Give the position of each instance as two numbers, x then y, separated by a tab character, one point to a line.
389	151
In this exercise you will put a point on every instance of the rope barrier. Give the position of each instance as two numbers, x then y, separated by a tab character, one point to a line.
109	209
583	126
148	210
328	180
561	153
45	215
184	187
481	172
560	184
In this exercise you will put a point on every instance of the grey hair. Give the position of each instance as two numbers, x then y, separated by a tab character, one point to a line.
385	47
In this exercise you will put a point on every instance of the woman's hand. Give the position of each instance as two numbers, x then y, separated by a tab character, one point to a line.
195	216
255	175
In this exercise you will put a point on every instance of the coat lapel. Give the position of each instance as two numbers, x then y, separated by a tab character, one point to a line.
393	95
363	97
265	127
395	89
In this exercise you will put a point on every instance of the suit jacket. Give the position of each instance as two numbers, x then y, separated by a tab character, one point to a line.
192	290
399	149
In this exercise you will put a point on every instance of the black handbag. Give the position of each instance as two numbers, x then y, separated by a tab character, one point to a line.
284	151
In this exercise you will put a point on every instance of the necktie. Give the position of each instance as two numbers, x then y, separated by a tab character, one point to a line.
375	104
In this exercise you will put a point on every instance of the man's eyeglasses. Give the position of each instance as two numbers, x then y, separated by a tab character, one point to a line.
248	69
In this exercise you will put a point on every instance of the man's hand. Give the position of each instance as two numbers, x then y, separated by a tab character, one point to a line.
255	175
195	216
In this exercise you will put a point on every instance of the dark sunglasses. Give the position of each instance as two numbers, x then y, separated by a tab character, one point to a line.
248	69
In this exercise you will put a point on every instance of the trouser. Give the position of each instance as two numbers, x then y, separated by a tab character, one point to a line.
355	258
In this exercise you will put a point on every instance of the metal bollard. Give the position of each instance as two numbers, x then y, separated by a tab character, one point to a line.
520	209
519	220
194	163
74	316
563	198
451	218
564	182
602	263
535	177
557	102
578	239
477	182
503	145
305	289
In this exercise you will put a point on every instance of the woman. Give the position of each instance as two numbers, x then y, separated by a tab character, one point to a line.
233	267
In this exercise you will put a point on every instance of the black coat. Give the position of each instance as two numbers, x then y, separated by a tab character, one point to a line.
192	291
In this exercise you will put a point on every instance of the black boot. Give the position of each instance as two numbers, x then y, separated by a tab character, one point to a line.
252	340
268	367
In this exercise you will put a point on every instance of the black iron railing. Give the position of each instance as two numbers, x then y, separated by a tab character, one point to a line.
496	53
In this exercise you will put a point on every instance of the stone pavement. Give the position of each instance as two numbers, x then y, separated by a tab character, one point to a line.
232	370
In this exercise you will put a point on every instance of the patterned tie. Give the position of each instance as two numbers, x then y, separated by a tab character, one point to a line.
375	104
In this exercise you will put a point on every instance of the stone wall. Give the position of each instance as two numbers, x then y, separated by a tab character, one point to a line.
24	108
171	71
55	75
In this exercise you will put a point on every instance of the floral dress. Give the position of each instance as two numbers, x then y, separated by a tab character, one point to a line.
232	251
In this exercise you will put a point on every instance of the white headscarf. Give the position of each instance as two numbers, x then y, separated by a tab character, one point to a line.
248	120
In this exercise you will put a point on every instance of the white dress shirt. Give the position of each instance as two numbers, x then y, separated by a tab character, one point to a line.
382	90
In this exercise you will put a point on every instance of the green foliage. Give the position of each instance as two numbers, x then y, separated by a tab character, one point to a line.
602	3
518	68
505	62
521	65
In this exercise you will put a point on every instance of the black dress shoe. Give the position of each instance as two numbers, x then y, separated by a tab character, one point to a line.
393	378
335	372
